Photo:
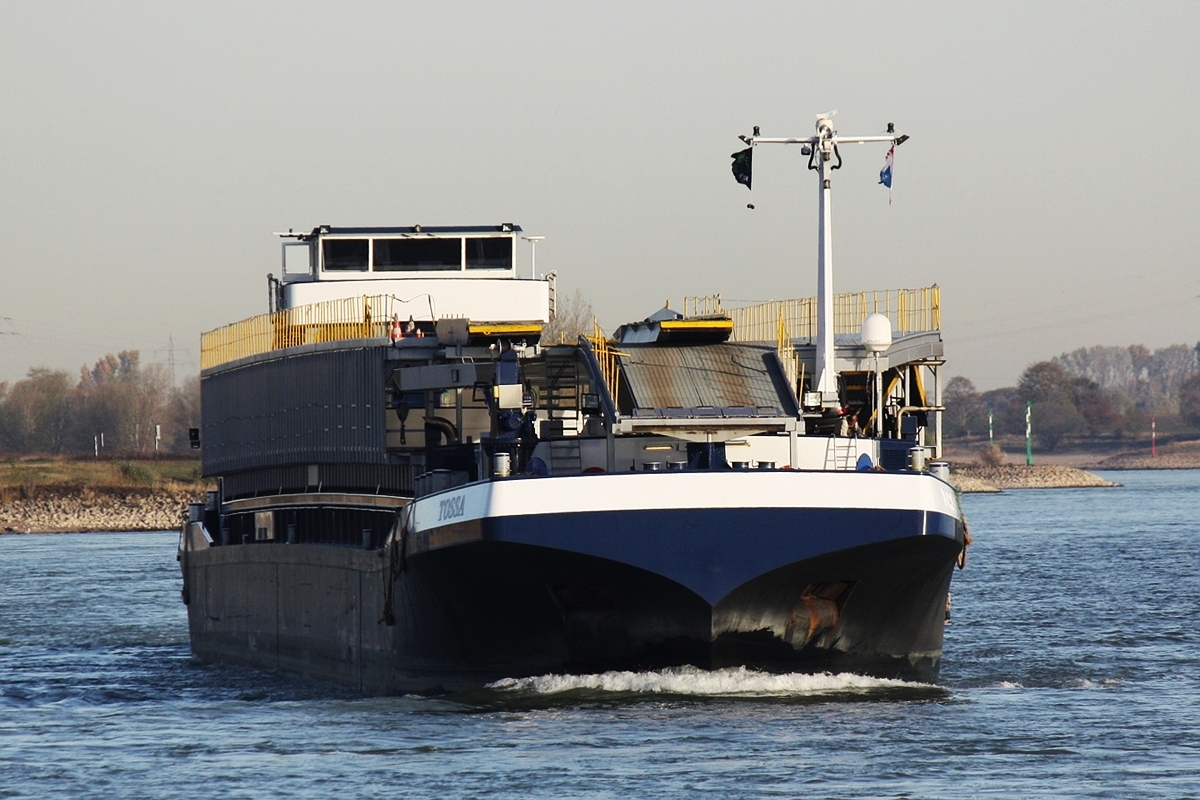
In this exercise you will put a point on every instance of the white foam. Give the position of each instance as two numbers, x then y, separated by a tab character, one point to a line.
731	682
1084	683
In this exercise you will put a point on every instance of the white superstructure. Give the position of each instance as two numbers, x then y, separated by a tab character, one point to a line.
431	272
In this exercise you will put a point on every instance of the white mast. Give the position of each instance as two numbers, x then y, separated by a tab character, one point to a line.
824	158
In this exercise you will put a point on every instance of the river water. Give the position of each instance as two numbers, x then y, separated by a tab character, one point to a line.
1072	669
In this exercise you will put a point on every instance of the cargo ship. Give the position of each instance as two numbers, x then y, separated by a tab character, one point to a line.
418	491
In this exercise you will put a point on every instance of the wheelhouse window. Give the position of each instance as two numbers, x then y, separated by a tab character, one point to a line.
346	254
414	255
493	252
297	259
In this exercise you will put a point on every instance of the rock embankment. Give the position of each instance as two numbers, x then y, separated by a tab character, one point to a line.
89	510
970	485
979	478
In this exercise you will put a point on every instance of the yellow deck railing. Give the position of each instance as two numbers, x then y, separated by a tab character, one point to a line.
606	355
910	311
329	321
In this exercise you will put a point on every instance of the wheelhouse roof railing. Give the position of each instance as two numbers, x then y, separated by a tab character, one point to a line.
345	318
909	310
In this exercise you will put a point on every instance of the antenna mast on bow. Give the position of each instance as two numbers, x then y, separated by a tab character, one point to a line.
824	158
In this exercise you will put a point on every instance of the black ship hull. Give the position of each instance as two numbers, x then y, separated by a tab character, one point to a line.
487	594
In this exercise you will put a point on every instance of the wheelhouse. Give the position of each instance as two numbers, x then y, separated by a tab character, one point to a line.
328	253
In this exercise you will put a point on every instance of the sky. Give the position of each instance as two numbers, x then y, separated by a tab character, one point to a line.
1051	185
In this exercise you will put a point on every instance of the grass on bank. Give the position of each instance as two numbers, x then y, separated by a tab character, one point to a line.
26	477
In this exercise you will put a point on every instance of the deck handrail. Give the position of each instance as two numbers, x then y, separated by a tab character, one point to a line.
606	355
363	317
909	310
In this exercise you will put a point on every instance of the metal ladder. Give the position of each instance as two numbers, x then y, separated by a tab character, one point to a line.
565	457
841	453
561	404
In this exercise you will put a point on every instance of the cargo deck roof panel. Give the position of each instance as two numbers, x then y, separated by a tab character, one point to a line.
705	380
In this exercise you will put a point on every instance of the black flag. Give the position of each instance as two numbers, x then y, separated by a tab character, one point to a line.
741	165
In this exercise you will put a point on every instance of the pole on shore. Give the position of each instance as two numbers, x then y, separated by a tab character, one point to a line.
1028	434
1153	438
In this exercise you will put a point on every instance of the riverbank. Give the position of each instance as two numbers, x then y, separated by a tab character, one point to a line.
1175	455
49	494
1061	469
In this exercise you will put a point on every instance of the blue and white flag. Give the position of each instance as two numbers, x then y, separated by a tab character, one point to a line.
885	174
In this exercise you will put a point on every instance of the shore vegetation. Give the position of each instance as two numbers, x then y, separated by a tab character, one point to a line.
1111	397
30	476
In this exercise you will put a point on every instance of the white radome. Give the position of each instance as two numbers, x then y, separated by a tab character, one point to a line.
876	333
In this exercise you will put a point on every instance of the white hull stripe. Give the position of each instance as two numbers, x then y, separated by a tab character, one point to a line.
584	494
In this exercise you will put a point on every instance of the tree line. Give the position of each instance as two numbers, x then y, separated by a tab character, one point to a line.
1091	391
116	407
